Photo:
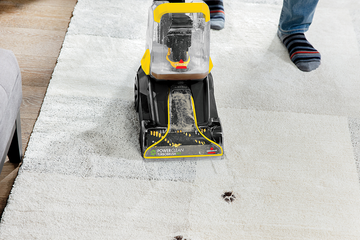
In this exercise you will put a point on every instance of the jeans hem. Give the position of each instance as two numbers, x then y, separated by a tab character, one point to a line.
292	31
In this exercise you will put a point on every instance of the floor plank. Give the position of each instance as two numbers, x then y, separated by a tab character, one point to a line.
34	30
7	178
36	70
32	100
35	42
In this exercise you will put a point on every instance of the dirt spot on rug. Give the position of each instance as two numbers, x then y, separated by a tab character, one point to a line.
180	238
229	197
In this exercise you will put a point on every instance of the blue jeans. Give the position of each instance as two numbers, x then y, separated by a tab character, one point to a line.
296	16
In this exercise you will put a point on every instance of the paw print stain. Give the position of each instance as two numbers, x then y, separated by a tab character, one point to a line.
180	238
229	197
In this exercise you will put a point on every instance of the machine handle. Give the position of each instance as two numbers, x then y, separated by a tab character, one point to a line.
181	8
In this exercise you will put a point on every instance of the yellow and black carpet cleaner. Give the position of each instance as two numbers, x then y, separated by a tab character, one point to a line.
174	91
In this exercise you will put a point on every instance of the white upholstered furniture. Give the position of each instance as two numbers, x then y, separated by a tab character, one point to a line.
10	101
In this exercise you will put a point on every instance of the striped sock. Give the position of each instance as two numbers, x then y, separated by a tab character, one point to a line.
217	14
301	52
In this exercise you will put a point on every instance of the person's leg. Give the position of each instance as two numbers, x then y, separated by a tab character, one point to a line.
217	14
295	19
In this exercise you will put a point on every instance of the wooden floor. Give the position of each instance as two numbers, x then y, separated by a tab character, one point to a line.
34	30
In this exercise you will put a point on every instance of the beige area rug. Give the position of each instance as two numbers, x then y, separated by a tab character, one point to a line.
291	138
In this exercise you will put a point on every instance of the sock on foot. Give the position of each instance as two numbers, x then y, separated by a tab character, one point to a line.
301	52
217	14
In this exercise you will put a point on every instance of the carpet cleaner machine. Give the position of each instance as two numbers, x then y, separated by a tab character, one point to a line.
174	91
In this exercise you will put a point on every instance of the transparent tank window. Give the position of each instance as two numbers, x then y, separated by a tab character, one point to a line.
180	47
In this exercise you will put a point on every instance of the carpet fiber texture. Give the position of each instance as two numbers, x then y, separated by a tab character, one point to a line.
292	139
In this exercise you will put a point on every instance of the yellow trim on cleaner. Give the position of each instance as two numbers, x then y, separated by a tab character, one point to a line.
210	64
145	62
177	64
181	8
167	131
219	154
